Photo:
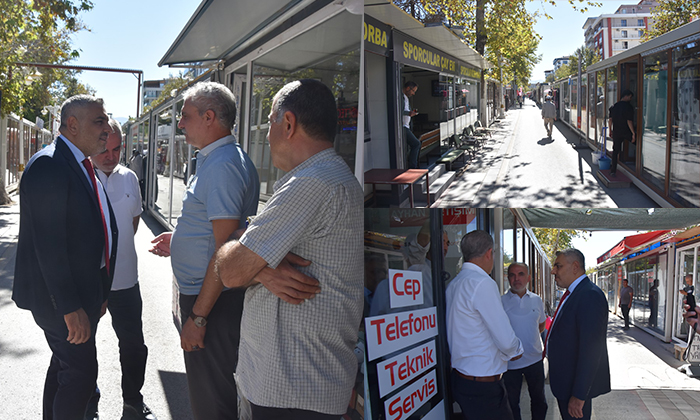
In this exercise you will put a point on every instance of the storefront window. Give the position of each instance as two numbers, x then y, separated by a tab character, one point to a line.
592	100
447	109
574	97
182	163
654	119
600	110
163	119
565	103
399	248
640	275
584	103
313	54
685	278
685	133
611	92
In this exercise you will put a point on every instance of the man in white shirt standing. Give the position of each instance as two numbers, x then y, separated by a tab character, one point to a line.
125	304
526	313
479	334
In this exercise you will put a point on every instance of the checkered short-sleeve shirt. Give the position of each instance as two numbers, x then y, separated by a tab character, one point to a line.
301	356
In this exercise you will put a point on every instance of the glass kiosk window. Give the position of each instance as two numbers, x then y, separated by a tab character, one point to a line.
324	53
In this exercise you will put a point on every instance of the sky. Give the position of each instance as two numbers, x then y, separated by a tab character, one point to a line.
563	34
598	243
135	34
128	34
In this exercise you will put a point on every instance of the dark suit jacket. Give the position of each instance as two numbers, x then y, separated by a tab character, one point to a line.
577	348
61	239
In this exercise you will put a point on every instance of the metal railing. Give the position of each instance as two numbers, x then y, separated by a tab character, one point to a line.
19	140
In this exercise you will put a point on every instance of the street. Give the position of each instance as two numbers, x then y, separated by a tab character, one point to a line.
646	382
520	167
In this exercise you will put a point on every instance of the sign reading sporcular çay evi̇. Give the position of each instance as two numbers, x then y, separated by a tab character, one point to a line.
415	53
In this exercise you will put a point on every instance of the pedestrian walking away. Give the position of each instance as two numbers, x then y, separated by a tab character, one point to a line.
576	343
626	295
621	122
124	304
525	311
479	334
219	198
549	115
66	256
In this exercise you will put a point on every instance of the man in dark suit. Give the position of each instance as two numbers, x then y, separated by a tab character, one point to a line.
66	253
576	343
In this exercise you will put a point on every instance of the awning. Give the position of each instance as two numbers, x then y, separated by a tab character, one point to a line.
694	231
630	243
612	219
438	36
220	27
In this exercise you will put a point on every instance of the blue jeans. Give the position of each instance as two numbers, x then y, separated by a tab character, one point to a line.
534	375
413	148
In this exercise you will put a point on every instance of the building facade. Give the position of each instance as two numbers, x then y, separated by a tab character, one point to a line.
610	34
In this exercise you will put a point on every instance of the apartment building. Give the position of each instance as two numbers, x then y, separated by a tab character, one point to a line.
610	34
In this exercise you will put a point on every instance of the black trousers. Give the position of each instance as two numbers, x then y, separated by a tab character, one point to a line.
268	413
617	149
72	373
626	314
534	375
564	409
481	400
125	307
212	389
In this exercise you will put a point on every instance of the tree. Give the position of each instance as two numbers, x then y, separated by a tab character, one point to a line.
671	14
171	83
34	31
589	57
555	240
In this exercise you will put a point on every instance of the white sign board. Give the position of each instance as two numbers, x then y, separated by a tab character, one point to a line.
389	333
406	402
405	288
402	369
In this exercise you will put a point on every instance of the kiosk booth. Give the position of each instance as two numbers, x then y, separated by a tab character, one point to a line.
399	49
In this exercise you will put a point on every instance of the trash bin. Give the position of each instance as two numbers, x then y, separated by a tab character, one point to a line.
604	163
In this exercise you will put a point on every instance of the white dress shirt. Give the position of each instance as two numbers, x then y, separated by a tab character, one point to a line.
80	157
122	187
526	314
479	334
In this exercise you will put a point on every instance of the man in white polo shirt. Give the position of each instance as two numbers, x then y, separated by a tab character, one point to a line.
125	304
479	334
526	313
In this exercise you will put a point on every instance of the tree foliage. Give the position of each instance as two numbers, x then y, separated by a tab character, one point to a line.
589	57
172	83
500	30
36	31
555	240
671	14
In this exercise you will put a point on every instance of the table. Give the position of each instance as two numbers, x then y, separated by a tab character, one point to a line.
399	177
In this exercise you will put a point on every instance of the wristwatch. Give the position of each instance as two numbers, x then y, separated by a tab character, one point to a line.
199	321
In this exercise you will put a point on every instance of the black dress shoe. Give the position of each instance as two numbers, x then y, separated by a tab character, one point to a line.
137	413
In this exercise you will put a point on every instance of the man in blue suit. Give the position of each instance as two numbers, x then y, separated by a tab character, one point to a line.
576	343
66	253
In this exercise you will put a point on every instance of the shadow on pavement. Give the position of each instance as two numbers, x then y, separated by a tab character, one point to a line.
545	141
176	394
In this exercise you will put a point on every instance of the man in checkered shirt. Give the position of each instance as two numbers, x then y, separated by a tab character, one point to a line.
296	357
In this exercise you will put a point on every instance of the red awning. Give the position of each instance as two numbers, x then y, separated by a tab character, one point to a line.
631	242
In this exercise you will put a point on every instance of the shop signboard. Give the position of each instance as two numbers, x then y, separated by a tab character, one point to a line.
376	36
407	217
411	398
390	333
397	371
406	288
416	53
458	216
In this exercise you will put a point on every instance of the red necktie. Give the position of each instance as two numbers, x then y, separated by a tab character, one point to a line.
91	174
544	352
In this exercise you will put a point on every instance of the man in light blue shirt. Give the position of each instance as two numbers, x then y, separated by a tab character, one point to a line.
219	198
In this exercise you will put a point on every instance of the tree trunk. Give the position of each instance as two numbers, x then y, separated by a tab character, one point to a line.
4	198
480	48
